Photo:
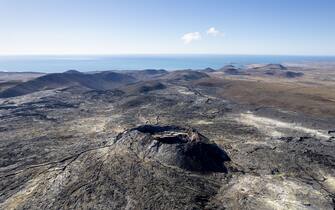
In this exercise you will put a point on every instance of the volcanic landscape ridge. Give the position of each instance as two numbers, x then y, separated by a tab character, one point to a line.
255	137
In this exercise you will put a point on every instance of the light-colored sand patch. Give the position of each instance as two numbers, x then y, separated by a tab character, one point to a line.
284	196
185	91
330	183
274	128
270	192
148	119
89	125
118	129
203	122
264	143
29	97
19	198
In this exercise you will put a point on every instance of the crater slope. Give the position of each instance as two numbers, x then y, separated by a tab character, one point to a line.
146	167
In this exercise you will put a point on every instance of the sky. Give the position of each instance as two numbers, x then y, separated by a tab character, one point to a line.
274	27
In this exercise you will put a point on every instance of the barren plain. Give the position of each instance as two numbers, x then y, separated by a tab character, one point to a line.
259	137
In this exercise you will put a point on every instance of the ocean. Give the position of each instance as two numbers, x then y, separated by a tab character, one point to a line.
57	63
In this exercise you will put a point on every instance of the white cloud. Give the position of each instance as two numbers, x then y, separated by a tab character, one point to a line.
213	32
190	37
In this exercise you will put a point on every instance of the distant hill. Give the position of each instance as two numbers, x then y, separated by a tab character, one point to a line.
146	74
97	81
208	70
143	87
18	76
271	67
72	72
185	75
273	70
103	80
231	70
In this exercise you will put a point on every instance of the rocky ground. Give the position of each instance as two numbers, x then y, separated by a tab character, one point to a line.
175	140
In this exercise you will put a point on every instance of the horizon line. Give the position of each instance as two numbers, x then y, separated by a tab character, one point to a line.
158	54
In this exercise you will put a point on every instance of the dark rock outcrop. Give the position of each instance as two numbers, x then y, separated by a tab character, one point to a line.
292	74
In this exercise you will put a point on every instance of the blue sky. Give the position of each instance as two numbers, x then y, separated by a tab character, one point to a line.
288	27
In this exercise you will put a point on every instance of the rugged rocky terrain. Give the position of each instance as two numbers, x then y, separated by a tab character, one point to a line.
167	140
